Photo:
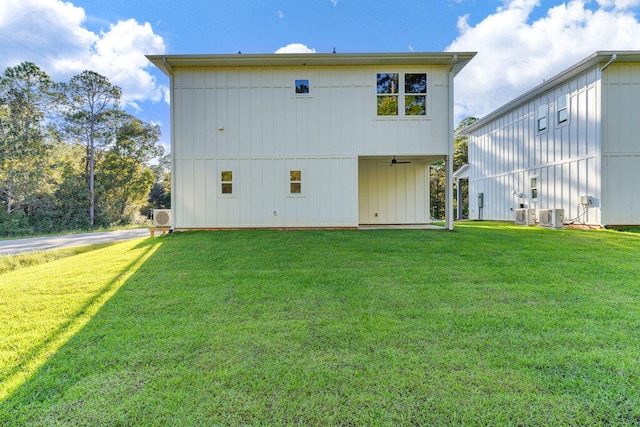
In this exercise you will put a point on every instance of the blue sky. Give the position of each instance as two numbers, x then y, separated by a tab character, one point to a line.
519	42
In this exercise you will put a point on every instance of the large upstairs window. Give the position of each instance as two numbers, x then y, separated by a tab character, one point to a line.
408	96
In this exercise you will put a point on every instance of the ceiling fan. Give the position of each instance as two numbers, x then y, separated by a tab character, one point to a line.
395	162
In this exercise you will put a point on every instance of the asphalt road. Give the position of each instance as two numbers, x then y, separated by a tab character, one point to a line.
21	246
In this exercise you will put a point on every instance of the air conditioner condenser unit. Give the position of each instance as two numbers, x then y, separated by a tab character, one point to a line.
162	217
551	218
525	217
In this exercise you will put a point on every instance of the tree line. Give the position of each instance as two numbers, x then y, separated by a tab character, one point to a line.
71	158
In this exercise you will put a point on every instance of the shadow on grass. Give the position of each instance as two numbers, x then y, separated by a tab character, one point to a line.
31	361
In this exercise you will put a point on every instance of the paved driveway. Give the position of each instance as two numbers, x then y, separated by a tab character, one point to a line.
20	246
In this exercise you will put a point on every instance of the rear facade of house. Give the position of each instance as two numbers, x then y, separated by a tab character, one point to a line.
307	140
570	145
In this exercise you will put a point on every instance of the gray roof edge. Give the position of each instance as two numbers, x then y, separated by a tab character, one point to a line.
594	59
456	60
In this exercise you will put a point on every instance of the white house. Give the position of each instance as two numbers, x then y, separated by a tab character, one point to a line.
570	144
308	140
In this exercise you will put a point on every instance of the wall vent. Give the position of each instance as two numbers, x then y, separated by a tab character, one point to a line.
162	217
525	217
551	218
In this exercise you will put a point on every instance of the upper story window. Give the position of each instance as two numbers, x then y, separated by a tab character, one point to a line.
408	95
387	94
302	87
562	109
541	118
415	99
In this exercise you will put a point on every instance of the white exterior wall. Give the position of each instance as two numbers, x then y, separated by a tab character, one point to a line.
250	121
508	151
621	144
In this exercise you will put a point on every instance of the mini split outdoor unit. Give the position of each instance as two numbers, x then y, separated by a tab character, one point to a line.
551	218
525	216
162	217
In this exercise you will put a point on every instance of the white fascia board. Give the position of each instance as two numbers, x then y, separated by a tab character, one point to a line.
456	60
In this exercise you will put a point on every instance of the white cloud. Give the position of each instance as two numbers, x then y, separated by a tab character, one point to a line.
280	14
335	2
51	33
295	48
515	55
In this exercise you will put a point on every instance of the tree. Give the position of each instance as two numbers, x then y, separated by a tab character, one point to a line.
125	178
89	102
25	95
437	173
160	194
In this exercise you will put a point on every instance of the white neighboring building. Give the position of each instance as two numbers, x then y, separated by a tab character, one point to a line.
576	134
308	140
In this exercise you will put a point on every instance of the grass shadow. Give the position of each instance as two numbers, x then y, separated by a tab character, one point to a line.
36	355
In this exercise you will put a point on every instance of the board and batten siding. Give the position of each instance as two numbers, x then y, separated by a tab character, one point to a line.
249	120
506	152
621	144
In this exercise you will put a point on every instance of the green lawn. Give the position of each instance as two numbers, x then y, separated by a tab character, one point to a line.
491	324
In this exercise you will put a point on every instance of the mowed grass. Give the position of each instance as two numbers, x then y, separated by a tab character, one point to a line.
491	324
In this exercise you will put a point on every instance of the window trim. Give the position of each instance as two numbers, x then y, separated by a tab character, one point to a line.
233	182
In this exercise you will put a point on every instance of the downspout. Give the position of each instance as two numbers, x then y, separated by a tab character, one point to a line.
604	67
448	217
169	70
613	58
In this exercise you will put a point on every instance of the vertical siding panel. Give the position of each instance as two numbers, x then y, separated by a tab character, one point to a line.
178	108
222	137
233	118
210	122
200	193
188	188
199	121
279	128
211	195
256	192
255	121
267	115
187	120
244	118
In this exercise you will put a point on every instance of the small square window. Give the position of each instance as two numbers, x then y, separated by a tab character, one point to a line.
387	105
415	83
302	86
415	105
387	83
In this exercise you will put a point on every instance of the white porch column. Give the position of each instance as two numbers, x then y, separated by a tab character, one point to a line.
448	204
